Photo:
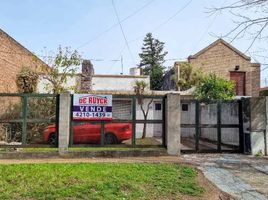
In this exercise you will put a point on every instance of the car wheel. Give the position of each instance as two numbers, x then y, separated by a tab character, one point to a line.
52	140
110	138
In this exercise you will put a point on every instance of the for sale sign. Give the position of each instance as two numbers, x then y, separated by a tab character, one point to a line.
92	107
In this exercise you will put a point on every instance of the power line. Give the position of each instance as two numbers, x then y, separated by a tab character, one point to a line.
122	30
166	21
116	24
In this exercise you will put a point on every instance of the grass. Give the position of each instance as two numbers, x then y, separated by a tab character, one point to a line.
98	181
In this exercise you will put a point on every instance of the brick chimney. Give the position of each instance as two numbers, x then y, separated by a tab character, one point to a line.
86	77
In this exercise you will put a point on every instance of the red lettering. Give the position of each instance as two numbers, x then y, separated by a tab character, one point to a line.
82	101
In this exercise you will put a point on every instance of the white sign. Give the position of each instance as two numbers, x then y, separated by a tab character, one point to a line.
92	107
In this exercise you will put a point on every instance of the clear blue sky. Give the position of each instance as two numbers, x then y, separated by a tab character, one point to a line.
49	23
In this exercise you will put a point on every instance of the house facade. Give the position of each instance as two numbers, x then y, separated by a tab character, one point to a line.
226	61
14	56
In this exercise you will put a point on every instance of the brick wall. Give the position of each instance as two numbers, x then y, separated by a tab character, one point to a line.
221	59
13	56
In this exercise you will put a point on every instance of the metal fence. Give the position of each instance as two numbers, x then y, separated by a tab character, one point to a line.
127	120
25	117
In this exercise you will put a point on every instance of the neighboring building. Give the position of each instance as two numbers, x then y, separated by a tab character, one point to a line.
88	81
14	56
223	59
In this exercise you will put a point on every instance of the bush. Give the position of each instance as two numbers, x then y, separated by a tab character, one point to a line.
213	87
27	80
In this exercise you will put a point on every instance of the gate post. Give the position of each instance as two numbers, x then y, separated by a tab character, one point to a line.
258	124
64	122
173	127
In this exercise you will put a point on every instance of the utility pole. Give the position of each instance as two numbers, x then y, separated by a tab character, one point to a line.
122	65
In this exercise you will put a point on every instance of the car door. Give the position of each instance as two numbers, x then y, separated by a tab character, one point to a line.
91	133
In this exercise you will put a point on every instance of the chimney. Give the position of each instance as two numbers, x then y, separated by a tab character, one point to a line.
86	77
135	71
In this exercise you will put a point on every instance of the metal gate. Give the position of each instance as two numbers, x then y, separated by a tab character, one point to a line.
214	126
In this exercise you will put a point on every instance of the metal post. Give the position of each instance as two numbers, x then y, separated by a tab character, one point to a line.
164	122
24	117
134	120
241	131
219	125
197	125
72	123
57	117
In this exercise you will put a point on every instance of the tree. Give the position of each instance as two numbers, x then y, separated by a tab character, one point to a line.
213	87
64	65
251	19
189	77
139	89
152	59
27	80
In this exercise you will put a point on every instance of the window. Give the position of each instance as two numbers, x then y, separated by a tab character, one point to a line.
158	106
184	107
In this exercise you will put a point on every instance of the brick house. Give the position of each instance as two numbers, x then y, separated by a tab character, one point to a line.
14	56
225	60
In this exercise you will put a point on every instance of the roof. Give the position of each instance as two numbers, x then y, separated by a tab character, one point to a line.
216	43
21	46
119	76
130	92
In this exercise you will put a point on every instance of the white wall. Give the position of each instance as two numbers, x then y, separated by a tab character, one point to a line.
123	82
208	114
152	129
102	82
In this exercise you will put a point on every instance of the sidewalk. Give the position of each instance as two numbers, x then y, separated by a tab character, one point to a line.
242	176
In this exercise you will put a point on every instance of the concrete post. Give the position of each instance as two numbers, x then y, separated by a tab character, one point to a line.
266	133
64	122
258	124
173	117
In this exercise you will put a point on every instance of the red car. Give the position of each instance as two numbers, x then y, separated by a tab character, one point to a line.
115	133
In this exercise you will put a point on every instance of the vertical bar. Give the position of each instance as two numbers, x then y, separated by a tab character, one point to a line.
57	117
134	120
72	123
241	130
164	121
24	117
102	133
219	126
197	124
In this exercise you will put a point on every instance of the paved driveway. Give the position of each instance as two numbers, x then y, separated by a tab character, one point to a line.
245	177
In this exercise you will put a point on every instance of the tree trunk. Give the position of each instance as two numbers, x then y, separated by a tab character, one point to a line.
144	130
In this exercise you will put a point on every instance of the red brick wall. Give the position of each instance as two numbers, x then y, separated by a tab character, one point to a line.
13	57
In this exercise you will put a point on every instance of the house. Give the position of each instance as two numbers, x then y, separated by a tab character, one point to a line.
14	56
118	85
225	60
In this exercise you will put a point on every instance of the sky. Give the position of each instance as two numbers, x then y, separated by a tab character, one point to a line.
92	28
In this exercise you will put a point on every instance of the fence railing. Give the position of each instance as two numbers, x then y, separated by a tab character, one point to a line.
26	116
199	124
134	118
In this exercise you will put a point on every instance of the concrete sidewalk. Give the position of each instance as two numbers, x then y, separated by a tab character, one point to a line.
244	177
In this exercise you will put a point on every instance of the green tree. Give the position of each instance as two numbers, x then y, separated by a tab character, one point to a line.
64	65
189	77
139	89
213	87
152	59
